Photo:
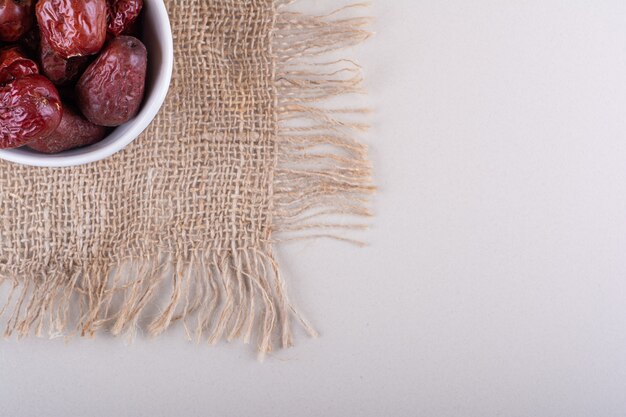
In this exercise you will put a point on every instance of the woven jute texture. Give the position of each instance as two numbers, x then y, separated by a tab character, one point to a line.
180	226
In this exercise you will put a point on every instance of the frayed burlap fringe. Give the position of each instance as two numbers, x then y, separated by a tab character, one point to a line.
228	296
323	171
320	172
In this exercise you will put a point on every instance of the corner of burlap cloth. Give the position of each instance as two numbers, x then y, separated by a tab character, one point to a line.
180	227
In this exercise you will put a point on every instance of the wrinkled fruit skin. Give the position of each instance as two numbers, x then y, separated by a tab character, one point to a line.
30	109
16	18
74	131
122	14
58	69
111	90
73	27
14	64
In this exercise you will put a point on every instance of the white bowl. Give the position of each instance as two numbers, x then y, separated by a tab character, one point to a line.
157	36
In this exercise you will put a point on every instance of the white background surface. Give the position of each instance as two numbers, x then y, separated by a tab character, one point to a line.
495	284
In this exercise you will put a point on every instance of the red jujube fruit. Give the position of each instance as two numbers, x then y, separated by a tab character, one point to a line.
110	91
73	27
58	69
30	109
74	131
122	14
14	64
16	18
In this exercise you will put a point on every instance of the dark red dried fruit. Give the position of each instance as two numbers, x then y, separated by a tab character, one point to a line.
16	18
110	91
73	27
14	64
58	69
74	131
122	14
30	109
134	29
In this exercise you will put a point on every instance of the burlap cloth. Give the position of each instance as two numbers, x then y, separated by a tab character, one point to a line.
180	226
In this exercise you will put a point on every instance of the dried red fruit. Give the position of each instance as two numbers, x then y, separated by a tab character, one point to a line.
58	69
73	27
110	91
122	14
74	131
30	109
16	18
134	29
14	64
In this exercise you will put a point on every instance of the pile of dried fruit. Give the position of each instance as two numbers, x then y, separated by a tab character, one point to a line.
71	70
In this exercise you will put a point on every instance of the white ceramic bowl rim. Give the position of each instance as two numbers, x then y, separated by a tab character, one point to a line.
125	134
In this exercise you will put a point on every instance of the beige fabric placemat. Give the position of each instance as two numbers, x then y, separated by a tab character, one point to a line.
180	226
